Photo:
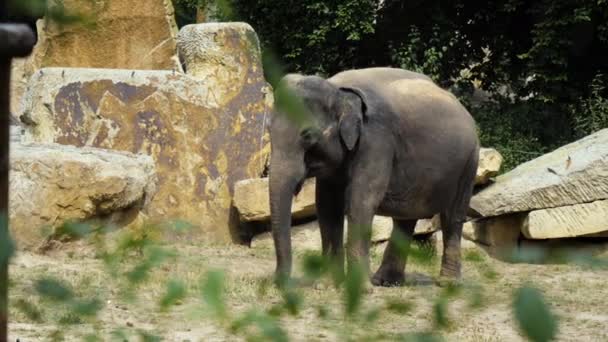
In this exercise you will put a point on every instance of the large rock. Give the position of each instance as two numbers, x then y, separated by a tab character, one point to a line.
200	149
575	173
567	221
252	202
50	184
223	55
121	34
490	161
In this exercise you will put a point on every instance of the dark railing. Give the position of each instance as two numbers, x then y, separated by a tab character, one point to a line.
16	40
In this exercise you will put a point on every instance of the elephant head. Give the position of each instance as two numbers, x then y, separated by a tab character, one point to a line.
315	125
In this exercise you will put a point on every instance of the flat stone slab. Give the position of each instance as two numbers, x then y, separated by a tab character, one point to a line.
575	173
567	221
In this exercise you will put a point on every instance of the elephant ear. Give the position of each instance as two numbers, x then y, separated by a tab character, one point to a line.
351	116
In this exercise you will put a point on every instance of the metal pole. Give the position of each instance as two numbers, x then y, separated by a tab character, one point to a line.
16	40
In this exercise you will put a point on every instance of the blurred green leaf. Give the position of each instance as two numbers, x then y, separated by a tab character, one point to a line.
155	256
73	230
7	247
473	256
213	293
179	226
353	288
293	301
269	327
148	337
92	338
54	289
314	266
422	337
399	306
440	313
533	315
119	335
176	291
87	307
372	315
70	318
30	310
288	103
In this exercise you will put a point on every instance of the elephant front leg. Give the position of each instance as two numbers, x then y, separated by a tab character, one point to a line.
330	213
364	199
358	240
392	269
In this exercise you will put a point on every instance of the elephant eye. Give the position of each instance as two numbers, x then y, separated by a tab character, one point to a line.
310	136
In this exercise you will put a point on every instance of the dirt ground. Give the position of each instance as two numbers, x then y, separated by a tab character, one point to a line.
577	295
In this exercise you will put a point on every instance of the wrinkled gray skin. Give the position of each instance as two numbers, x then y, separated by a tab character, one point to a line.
383	141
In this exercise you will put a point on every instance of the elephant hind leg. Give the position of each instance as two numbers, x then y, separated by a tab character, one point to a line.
392	269
453	219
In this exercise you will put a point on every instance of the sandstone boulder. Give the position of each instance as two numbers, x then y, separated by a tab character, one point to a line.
575	173
226	56
200	149
50	184
252	202
490	161
121	34
567	221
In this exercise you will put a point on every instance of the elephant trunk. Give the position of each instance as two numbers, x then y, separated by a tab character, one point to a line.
284	179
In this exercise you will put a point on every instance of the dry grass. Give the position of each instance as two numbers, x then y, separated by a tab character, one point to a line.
578	296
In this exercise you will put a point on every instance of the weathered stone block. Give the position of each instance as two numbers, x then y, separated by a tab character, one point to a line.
223	55
118	34
126	34
251	200
501	233
50	184
567	221
575	173
200	149
490	161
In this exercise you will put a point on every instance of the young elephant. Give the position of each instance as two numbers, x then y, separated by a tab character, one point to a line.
379	141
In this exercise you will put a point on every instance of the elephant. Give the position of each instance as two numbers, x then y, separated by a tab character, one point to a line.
379	141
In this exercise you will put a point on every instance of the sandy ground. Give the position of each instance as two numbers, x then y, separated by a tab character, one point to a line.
577	295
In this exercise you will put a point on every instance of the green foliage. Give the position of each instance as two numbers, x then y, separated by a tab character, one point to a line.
592	112
533	315
213	293
176	291
354	286
536	60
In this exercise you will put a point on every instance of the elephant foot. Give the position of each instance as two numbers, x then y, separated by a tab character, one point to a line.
449	280
388	278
